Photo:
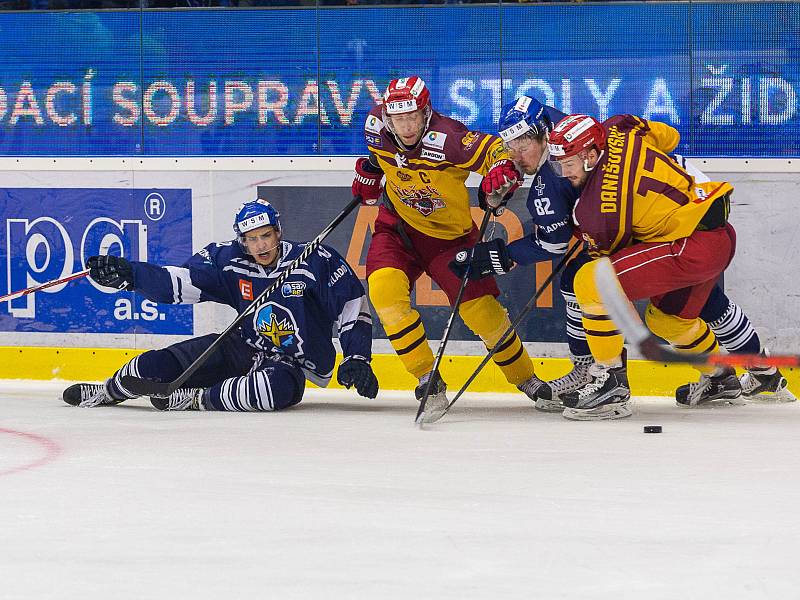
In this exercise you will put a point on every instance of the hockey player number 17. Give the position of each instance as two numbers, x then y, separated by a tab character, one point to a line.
663	188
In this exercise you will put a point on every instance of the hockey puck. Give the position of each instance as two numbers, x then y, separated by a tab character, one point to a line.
652	428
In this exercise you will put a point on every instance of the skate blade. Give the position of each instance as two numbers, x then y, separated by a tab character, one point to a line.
431	414
548	406
781	396
716	403
619	410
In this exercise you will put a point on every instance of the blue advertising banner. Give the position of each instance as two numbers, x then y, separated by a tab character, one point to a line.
49	233
300	81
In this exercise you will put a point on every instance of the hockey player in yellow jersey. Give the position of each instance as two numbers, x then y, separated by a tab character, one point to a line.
424	221
668	239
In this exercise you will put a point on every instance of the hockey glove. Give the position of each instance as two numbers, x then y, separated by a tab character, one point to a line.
496	210
357	372
499	185
367	182
111	271
489	258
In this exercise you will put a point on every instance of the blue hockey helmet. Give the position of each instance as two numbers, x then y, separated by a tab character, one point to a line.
523	116
254	214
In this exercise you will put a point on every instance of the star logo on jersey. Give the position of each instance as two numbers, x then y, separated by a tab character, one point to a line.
401	160
539	187
277	326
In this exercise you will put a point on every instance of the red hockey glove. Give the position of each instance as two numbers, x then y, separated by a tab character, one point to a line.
367	182
500	182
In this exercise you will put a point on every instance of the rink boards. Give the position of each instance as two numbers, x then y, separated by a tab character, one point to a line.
57	212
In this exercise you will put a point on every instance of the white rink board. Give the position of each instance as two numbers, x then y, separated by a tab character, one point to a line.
764	277
344	498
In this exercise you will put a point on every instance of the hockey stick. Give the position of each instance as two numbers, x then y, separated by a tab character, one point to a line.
41	286
446	334
147	387
524	313
637	334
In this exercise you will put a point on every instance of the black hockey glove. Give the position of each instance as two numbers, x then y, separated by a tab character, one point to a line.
489	258
111	271
357	372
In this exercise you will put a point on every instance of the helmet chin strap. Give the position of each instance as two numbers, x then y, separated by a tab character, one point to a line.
586	166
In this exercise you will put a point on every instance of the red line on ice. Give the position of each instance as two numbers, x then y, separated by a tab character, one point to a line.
51	448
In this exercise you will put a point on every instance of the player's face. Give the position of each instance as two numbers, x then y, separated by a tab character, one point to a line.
263	244
575	167
409	126
527	152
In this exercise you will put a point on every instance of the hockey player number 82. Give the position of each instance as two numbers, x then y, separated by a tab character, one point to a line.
543	206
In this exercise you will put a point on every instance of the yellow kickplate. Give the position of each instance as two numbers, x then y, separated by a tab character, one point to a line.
96	364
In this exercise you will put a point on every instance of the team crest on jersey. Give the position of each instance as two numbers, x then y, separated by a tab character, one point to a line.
276	327
432	155
293	289
373	124
424	201
434	139
374	140
468	141
539	187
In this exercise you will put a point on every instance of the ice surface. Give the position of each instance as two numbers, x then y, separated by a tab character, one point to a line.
345	498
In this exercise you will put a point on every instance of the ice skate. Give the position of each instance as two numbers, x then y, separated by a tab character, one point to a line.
436	405
723	386
87	395
606	396
576	378
765	385
181	399
542	394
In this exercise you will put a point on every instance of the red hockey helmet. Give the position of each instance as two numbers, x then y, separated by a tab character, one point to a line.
405	95
574	133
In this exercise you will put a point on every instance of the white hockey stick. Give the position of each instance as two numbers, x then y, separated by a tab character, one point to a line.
638	335
41	286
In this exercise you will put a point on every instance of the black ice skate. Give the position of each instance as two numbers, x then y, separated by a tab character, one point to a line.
576	378
606	396
542	395
724	386
87	395
765	385
180	399
436	405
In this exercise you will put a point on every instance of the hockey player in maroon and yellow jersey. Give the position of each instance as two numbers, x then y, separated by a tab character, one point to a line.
668	239
424	221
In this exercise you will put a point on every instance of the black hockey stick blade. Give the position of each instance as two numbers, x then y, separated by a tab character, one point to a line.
147	387
515	323
636	333
419	419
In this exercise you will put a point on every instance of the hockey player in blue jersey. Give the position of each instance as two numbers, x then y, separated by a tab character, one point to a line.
262	366
524	125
